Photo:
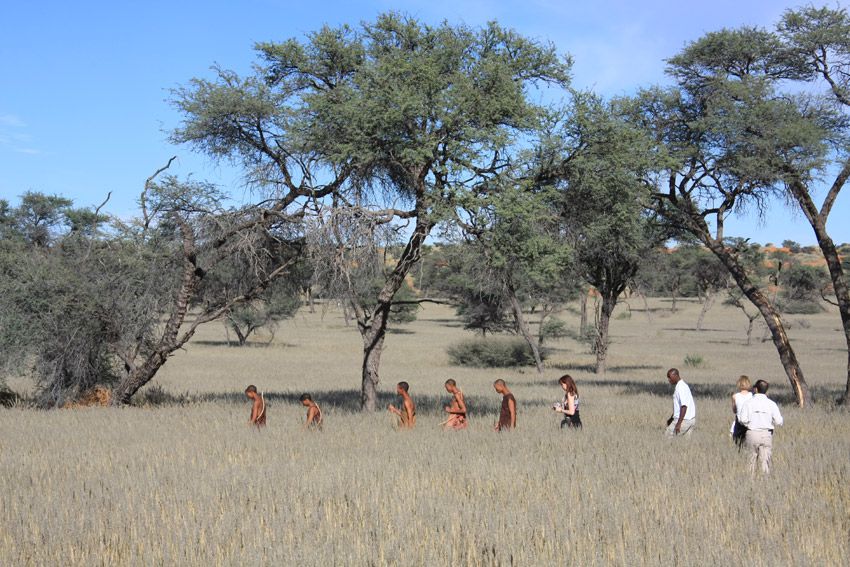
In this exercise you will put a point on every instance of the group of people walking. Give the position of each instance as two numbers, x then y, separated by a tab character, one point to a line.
756	415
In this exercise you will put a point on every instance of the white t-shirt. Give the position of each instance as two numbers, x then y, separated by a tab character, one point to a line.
682	397
741	399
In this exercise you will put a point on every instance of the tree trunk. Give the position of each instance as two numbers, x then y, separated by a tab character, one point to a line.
771	318
373	347
375	330
583	323
240	336
522	327
842	293
310	303
609	302
706	306
168	342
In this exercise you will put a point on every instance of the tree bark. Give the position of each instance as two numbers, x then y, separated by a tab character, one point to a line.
583	322
706	306
373	328
772	319
522	327
168	343
817	219
373	347
609	302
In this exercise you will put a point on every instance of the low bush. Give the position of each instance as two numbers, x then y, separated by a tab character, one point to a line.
492	353
694	361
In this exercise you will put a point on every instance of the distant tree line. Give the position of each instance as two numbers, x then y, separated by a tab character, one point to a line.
361	143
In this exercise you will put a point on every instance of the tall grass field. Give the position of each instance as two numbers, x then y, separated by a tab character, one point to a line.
191	484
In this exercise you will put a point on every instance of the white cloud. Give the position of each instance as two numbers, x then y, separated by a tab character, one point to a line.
13	138
12	121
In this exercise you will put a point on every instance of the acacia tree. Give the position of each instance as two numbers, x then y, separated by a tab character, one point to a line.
818	41
599	163
728	141
419	113
514	230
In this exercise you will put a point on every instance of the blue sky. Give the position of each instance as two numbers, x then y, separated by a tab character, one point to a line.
84	85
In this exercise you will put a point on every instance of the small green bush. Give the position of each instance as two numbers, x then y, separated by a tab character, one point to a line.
694	361
554	328
492	353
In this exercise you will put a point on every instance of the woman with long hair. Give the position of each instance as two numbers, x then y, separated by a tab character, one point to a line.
569	407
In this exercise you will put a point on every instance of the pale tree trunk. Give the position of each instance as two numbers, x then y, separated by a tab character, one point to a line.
750	322
772	319
583	322
522	327
310	303
707	304
603	323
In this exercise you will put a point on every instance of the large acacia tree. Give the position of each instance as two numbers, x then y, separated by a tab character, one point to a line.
401	115
731	140
600	163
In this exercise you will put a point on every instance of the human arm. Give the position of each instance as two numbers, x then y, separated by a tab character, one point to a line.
461	405
394	410
255	412
512	410
409	410
777	417
311	416
678	428
570	408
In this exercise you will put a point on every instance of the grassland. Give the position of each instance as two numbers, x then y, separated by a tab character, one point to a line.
193	485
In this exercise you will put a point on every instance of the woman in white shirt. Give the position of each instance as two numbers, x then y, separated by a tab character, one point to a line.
739	399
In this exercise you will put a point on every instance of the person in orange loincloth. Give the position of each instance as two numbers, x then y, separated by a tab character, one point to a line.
258	407
314	413
456	409
406	411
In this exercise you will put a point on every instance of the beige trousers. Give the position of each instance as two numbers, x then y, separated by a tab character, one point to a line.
687	428
760	444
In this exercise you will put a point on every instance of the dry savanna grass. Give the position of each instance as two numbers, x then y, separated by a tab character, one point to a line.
193	485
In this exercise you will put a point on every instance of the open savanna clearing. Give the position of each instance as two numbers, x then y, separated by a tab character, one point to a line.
192	484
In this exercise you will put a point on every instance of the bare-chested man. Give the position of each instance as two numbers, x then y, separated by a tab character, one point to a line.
507	415
456	409
407	412
258	407
314	413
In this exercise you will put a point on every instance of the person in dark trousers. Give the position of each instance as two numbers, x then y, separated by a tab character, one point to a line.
569	407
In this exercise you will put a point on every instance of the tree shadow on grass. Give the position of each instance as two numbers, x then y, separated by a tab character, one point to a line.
693	330
612	369
235	344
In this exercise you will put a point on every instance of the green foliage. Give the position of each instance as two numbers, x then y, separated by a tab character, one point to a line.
801	288
695	361
554	328
492	353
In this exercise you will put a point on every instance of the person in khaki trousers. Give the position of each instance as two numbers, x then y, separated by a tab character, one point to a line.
760	416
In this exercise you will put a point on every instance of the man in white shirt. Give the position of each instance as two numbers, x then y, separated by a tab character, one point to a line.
760	415
684	416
